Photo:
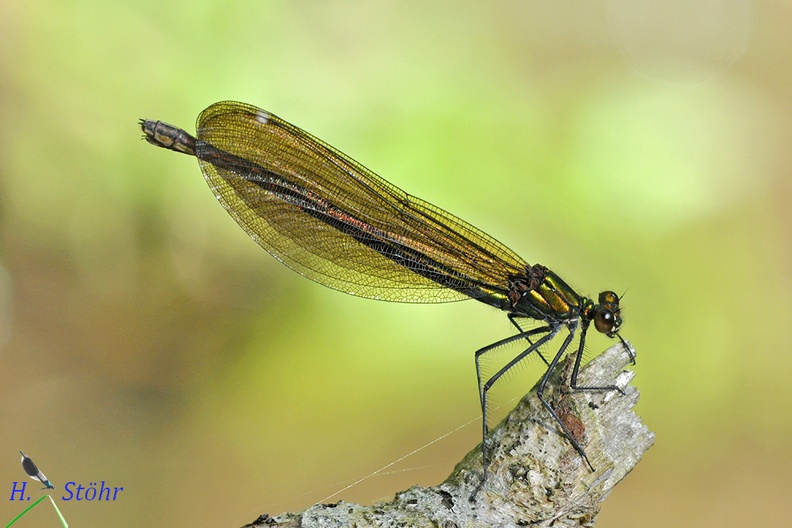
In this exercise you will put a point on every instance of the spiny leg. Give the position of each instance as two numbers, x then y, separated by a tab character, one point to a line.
549	331
546	378
573	380
512	318
628	348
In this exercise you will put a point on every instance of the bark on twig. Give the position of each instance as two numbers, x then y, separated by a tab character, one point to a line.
535	478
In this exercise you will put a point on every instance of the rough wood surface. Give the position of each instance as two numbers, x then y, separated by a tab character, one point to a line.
535	478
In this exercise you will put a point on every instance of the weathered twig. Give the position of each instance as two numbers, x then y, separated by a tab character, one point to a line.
535	478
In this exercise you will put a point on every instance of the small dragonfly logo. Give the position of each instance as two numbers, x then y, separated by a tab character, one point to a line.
34	472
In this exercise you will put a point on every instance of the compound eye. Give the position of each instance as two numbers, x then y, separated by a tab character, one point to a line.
604	321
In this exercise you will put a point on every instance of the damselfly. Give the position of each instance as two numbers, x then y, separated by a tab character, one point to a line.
334	221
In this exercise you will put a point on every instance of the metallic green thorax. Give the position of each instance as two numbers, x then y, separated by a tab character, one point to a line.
543	295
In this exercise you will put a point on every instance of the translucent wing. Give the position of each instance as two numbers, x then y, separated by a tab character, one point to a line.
332	220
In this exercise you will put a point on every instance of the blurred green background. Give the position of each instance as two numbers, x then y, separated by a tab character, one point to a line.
146	341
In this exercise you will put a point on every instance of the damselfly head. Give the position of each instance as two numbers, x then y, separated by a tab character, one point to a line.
607	318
